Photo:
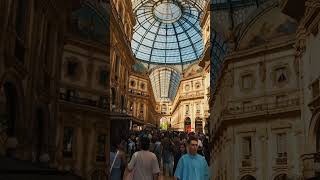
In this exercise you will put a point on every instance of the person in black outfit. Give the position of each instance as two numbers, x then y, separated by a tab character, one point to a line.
181	152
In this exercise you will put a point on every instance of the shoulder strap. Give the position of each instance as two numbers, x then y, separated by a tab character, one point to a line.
114	160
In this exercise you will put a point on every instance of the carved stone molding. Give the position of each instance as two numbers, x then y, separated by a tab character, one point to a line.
300	44
311	19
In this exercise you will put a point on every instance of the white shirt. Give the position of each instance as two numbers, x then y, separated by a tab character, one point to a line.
144	165
200	143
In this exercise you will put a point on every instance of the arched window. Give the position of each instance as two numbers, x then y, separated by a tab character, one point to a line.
187	124
113	96
198	125
103	78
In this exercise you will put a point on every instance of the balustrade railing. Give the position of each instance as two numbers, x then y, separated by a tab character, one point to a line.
262	107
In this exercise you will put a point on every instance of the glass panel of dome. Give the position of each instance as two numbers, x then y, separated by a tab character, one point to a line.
145	49
134	44
147	42
171	46
150	36
166	20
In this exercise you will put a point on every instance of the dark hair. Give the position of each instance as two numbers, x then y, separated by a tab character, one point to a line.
145	143
183	144
192	138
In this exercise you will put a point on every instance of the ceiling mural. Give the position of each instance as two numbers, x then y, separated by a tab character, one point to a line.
270	26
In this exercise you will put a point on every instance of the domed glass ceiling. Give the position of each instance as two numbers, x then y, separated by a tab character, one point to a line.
165	82
168	31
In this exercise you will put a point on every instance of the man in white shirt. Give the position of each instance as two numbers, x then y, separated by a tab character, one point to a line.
144	163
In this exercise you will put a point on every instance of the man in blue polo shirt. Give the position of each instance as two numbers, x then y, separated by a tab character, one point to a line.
192	166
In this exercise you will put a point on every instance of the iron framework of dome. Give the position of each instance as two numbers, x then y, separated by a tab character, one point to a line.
168	31
165	82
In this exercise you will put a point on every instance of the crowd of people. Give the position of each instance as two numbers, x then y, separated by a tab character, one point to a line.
145	153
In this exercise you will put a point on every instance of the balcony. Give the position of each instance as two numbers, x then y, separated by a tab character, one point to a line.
137	93
192	95
262	109
101	104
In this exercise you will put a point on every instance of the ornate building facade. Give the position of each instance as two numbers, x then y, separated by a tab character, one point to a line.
141	103
189	111
31	40
188	107
122	21
84	87
307	59
263	104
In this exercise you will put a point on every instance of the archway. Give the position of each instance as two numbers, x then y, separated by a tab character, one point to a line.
187	124
281	177
164	123
198	125
248	177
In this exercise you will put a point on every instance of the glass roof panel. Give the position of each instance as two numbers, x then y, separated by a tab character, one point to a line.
165	82
168	27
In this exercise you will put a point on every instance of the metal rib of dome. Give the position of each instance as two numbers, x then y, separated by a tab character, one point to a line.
168	31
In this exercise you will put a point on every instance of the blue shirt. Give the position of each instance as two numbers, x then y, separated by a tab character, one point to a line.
192	168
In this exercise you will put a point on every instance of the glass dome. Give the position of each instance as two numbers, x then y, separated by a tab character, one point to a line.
165	81
168	31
